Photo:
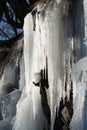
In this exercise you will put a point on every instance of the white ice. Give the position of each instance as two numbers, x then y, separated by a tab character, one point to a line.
48	39
79	76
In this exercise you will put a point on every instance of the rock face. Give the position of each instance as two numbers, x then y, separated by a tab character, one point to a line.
11	62
10	67
8	104
3	53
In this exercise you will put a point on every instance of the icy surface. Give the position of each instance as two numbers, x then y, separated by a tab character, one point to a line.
43	38
79	76
29	111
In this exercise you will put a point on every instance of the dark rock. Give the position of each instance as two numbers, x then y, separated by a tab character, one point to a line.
8	104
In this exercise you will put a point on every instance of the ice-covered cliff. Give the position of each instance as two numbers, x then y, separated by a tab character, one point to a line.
44	88
48	59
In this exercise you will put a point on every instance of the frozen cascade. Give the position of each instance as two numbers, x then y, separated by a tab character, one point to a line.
45	41
49	55
28	118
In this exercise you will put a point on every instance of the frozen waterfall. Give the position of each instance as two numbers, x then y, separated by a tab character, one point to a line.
45	46
54	89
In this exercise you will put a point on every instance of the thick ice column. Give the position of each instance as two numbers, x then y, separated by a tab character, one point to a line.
57	46
55	56
29	111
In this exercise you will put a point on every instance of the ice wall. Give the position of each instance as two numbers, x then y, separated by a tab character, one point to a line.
45	42
55	39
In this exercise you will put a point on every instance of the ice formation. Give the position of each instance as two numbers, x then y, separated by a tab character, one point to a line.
54	43
44	43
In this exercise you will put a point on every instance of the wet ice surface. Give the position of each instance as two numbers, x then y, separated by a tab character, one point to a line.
79	76
45	38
